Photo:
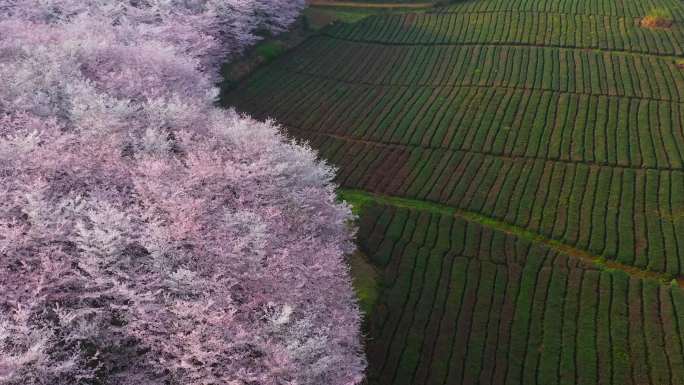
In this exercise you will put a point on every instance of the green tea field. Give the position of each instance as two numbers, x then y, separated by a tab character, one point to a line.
518	167
464	303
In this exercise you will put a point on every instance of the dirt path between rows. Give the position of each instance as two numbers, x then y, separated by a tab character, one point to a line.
353	4
358	197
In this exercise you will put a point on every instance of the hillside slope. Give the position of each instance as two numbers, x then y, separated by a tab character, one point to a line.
560	119
463	303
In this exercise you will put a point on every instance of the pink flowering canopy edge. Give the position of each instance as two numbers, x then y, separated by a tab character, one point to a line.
146	236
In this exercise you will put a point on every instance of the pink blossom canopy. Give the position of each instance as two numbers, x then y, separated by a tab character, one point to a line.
146	236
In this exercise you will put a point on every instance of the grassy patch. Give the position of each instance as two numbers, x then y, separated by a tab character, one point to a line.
358	199
365	281
317	17
269	50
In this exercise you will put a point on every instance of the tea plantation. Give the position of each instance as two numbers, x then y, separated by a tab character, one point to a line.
519	171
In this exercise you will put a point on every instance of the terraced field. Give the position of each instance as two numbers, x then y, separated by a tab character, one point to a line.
561	120
464	304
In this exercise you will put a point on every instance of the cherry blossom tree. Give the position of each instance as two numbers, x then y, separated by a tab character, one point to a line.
146	236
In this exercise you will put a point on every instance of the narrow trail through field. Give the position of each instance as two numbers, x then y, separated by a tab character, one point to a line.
352	4
359	197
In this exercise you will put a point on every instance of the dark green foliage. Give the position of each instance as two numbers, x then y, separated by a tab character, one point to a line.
490	306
